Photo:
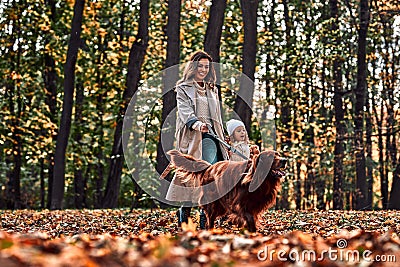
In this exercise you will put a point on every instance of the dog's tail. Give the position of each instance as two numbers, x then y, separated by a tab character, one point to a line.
187	162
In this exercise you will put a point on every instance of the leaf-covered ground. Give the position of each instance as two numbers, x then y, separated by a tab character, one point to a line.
151	238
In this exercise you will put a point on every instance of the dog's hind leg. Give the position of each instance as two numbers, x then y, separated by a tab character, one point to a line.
211	221
211	215
251	224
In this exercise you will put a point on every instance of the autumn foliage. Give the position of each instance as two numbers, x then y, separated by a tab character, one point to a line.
151	238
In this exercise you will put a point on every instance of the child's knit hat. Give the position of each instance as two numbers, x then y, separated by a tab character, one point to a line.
232	124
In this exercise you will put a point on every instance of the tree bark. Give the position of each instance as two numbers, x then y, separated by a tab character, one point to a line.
212	40
339	116
136	59
100	106
65	123
320	184
170	77
50	82
42	185
285	115
379	117
79	183
298	186
369	161
389	84
13	188
244	101
360	91
394	202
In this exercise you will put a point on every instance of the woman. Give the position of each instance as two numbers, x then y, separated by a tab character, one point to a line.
198	109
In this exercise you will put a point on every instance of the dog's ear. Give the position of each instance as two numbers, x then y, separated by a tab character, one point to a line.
187	162
263	165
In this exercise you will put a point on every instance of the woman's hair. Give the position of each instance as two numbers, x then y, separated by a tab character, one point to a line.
191	68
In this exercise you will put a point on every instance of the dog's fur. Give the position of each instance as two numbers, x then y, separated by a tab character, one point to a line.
247	188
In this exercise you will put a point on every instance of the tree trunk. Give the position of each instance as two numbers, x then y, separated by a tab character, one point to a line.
50	82
339	115
389	88
379	117
383	174
394	202
309	183
65	123
212	40
360	92
99	166
79	185
170	77
244	100
320	184
100	103
136	59
13	188
283	94
369	161
298	185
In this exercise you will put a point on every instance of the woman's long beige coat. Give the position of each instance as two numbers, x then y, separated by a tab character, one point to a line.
189	141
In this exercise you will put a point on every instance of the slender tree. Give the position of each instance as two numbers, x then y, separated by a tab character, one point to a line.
13	87
394	202
284	94
379	117
212	40
360	91
136	59
321	183
369	173
57	194
170	78
98	151
50	79
389	82
339	112
79	181
243	103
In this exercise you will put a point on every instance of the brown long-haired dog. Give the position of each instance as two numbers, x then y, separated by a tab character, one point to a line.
240	189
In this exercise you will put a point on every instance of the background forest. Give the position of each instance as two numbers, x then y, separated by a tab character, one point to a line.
326	71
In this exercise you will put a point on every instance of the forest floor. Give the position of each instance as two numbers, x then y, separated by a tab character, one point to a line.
152	238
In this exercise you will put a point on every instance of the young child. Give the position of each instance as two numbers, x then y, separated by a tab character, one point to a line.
239	139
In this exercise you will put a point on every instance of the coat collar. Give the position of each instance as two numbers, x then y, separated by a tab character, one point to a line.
190	89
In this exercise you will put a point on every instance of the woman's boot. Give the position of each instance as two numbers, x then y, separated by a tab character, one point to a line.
183	215
203	219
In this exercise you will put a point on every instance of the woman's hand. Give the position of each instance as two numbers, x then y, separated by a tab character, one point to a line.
200	126
204	128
